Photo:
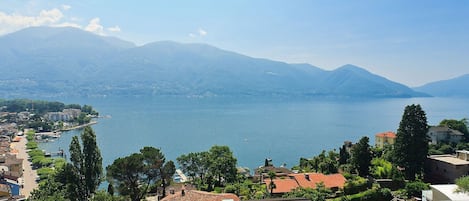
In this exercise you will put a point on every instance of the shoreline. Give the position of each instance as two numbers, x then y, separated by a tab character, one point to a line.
79	126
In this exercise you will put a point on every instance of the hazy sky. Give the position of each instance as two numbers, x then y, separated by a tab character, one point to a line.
412	42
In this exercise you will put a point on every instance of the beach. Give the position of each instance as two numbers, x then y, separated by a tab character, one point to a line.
29	175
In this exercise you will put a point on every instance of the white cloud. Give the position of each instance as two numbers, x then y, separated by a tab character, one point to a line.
114	29
95	26
66	7
67	24
13	22
10	22
202	32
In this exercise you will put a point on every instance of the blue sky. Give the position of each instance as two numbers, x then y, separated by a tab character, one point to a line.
412	42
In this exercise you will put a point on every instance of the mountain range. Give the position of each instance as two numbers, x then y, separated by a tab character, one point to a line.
46	61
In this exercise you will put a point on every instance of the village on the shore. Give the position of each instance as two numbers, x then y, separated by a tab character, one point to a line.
330	174
21	128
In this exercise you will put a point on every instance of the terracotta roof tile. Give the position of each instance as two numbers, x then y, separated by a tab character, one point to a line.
193	195
388	134
282	185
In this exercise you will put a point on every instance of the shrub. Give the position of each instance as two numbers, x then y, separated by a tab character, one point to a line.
355	185
414	189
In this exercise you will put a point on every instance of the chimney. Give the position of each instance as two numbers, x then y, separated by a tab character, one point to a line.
183	193
307	177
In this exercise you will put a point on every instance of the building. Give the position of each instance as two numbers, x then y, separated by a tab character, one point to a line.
446	192
438	134
306	180
194	195
65	115
444	169
386	138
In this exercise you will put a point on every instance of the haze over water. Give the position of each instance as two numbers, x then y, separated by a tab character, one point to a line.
283	130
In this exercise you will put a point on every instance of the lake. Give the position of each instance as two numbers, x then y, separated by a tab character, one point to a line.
254	129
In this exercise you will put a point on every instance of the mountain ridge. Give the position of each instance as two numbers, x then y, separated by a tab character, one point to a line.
91	64
455	87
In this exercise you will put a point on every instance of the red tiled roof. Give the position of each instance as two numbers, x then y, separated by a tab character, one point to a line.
282	185
307	180
193	195
388	134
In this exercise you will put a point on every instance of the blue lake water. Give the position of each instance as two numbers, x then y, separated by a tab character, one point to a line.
283	130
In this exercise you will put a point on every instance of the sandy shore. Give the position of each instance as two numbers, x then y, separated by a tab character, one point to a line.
29	175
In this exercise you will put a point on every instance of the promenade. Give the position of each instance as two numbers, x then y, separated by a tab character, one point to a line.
29	175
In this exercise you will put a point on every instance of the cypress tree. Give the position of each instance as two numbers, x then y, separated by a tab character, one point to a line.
411	147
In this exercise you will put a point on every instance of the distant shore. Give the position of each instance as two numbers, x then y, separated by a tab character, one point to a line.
79	126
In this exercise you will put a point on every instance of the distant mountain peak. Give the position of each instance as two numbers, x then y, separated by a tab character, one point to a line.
72	61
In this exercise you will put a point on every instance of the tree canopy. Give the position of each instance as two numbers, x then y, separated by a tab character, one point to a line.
134	174
361	156
411	146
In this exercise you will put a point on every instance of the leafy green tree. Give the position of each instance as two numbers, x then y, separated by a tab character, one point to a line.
361	156
49	190
460	125
222	164
133	175
195	165
411	146
381	169
128	173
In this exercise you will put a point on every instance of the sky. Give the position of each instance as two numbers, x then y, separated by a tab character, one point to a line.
411	42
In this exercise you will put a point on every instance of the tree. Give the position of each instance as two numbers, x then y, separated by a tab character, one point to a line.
344	156
361	156
85	171
79	179
222	164
128	173
133	175
460	125
411	146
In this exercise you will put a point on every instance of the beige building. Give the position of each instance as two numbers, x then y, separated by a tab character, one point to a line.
386	138
443	169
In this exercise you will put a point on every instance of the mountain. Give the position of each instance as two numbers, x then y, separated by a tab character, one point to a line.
456	87
69	61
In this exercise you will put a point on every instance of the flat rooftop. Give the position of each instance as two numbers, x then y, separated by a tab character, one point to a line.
450	159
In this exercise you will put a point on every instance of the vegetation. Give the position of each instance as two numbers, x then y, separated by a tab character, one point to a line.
463	184
361	157
327	164
320	193
77	180
210	169
133	175
411	138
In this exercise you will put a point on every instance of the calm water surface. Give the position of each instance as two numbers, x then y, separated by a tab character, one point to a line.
283	130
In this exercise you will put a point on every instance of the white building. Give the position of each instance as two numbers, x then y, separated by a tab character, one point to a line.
444	192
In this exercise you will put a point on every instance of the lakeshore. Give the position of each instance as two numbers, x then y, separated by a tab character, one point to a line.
79	126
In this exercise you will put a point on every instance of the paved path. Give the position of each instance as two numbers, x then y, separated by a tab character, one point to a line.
29	175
